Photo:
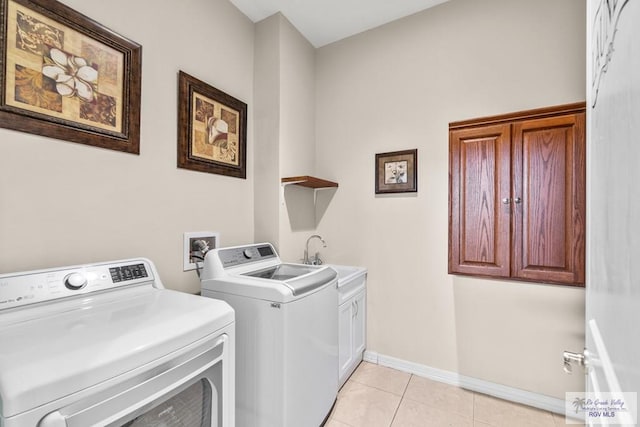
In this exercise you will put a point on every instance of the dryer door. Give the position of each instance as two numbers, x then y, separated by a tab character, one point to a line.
192	406
196	393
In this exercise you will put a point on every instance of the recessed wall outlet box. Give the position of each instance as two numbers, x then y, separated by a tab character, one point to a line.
194	243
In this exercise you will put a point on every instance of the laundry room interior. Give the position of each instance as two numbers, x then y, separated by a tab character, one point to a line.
325	110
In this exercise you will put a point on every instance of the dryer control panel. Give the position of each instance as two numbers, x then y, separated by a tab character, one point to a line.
19	289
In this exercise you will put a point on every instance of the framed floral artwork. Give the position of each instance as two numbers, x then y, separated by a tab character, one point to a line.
397	172
66	76
212	129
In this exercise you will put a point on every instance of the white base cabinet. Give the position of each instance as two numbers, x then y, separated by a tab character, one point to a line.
352	320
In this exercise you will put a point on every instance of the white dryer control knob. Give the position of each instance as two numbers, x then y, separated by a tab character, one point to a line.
247	253
75	281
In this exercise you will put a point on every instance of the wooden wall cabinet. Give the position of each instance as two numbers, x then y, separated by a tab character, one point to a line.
517	196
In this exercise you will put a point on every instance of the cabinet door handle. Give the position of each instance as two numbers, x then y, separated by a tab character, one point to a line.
506	200
517	200
355	305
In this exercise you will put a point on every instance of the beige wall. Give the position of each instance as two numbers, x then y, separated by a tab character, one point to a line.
63	203
397	87
267	130
297	146
285	135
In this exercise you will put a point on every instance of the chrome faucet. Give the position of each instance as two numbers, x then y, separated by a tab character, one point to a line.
316	259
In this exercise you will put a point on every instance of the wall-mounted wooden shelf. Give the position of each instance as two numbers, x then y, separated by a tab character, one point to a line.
309	182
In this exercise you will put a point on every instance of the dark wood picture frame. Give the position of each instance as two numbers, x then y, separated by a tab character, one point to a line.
397	172
65	76
212	129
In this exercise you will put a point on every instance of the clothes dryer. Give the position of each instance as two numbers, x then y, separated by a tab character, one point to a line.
107	345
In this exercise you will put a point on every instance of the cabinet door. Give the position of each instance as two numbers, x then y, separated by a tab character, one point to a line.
359	325
345	338
549	188
479	181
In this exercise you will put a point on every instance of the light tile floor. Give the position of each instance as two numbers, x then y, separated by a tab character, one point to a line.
380	396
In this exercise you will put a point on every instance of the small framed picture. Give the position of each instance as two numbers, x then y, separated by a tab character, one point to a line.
212	129
397	172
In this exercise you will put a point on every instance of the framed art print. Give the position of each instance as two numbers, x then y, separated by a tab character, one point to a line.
397	172
212	129
66	76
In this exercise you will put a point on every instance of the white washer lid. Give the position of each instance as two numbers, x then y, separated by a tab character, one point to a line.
44	359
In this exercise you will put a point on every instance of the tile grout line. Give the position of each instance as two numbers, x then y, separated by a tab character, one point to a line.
473	408
382	389
401	399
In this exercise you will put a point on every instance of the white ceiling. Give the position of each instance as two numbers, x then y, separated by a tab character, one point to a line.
326	21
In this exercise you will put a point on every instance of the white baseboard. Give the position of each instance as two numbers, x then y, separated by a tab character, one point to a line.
512	394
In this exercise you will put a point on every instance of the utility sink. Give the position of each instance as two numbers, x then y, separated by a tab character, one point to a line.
347	273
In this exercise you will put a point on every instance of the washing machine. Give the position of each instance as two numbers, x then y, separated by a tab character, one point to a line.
107	345
287	334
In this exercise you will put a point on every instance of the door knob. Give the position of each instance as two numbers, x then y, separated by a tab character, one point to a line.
517	200
571	359
506	200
